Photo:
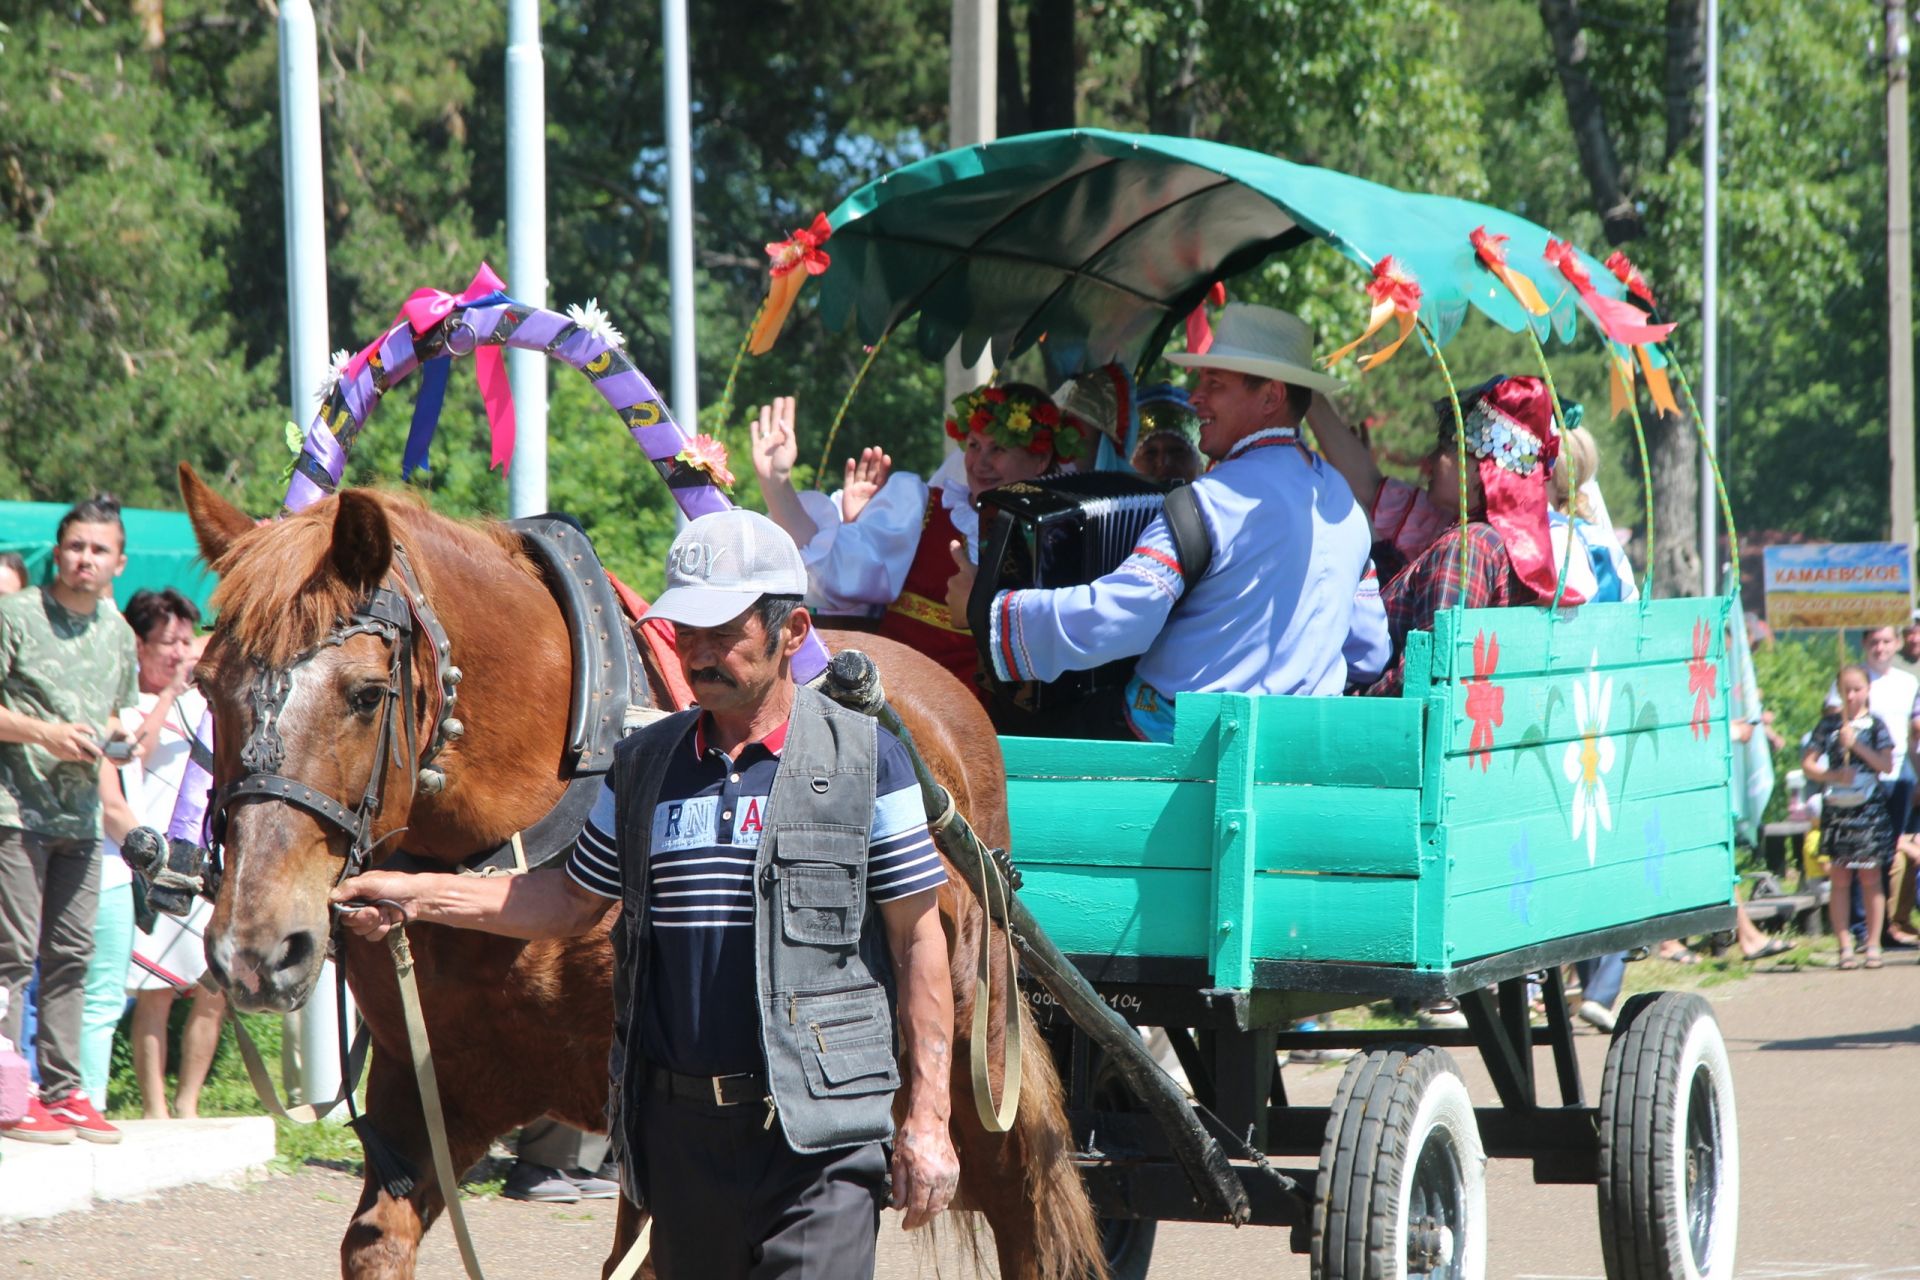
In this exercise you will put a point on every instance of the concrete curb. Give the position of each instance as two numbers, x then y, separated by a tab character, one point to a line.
154	1155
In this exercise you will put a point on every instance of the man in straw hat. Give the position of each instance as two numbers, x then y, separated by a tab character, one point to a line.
1276	610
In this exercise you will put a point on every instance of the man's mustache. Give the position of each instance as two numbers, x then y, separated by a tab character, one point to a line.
712	675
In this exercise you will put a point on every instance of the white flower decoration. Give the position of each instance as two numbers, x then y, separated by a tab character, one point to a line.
1589	759
336	370
596	322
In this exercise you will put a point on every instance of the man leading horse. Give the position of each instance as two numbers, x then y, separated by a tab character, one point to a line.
764	846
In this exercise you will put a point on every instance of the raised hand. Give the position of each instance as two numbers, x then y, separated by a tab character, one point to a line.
960	585
776	445
865	475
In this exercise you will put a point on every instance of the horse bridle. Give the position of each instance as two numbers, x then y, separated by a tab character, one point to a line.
400	615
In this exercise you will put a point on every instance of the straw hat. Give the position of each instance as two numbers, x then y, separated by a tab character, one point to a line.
1263	341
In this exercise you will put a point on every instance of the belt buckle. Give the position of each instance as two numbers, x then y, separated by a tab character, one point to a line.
719	1094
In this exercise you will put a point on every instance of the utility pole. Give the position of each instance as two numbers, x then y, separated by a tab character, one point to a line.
1899	281
306	364
686	391
973	96
1710	317
527	250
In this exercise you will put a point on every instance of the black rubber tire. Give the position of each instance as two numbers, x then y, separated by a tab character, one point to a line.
1401	1137
1669	1168
1126	1243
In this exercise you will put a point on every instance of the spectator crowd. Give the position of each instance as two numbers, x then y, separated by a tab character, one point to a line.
98	719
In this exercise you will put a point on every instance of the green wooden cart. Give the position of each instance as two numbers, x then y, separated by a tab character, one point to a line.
1552	785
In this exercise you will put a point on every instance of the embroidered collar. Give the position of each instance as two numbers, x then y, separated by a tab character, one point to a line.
1266	439
773	743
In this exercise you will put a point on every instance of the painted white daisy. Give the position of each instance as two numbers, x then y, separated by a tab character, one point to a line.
1589	757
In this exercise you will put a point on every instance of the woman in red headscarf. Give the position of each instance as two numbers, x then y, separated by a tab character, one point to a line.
1511	448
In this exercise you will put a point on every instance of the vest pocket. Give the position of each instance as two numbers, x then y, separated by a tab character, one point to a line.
846	1044
822	876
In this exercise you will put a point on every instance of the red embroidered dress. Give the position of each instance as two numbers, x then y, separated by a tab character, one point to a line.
918	618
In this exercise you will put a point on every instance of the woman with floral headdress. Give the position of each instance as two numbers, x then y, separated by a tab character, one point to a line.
1511	446
879	549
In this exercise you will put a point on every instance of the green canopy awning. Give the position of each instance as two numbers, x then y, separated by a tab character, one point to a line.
1102	242
161	551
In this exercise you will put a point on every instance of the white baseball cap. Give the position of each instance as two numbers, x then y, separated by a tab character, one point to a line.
724	561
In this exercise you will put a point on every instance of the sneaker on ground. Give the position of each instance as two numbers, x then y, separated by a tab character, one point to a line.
1595	1015
594	1185
38	1125
75	1110
540	1184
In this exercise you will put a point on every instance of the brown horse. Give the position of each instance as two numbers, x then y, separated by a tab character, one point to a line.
519	1030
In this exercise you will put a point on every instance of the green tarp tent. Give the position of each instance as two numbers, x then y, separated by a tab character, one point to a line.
161	551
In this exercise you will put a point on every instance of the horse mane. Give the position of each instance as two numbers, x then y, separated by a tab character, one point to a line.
279	594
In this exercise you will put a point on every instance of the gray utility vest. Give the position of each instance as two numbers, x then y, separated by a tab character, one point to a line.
826	1020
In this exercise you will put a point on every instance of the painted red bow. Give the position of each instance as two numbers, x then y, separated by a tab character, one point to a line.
1701	680
1629	275
1492	252
1486	701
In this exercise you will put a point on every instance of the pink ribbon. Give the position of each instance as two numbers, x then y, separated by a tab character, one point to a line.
424	309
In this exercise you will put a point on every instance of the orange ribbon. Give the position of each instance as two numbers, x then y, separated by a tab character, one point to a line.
1395	293
1492	252
794	259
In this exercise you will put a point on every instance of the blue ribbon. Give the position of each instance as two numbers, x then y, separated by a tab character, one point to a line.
426	414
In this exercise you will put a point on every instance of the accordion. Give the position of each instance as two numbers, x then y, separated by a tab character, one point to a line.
1060	531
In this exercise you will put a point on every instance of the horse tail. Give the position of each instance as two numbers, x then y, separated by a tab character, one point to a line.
1067	1236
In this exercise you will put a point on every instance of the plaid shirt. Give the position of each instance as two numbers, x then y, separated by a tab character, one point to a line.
1438	581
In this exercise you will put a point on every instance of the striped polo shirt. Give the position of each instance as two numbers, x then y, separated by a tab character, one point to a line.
700	1017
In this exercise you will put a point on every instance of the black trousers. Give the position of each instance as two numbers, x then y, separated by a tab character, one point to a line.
730	1199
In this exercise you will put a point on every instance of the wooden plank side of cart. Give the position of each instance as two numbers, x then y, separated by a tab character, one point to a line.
1544	777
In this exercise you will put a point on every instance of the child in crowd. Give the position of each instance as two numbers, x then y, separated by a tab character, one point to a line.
1846	753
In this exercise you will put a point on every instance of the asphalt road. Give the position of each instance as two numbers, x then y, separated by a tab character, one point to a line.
1826	1066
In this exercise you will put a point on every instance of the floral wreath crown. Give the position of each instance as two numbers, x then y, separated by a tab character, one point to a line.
1015	419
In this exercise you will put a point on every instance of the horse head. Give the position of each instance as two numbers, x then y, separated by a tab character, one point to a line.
323	696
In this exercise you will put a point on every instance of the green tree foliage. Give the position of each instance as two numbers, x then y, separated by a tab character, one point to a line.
142	252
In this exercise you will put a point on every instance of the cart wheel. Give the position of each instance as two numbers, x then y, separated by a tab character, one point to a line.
1126	1243
1402	1184
1669	1144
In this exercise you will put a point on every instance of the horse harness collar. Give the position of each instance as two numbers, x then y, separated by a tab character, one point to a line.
401	616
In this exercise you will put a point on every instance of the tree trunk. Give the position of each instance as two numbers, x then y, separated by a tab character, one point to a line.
1168	79
1598	159
1011	117
1674	450
1052	66
1686	57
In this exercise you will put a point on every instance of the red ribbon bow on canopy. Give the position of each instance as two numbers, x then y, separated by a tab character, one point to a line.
1621	321
794	259
1395	292
1492	252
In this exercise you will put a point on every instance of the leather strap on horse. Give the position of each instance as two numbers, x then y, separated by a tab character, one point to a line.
429	1082
262	1079
994	1117
852	680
